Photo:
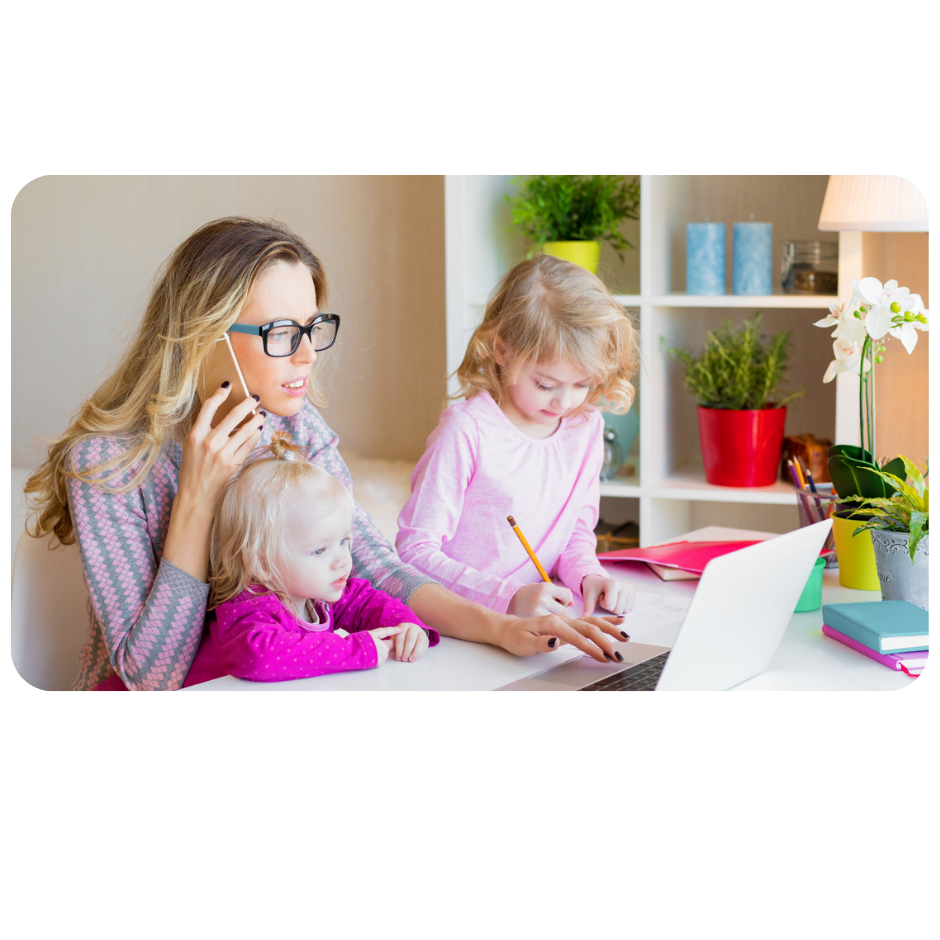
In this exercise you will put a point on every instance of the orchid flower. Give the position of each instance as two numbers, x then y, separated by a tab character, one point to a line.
906	332
885	303
851	327
848	359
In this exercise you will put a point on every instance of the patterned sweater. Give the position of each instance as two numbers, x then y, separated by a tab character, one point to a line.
146	615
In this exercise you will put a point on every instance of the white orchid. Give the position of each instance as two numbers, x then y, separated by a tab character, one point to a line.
850	327
906	332
848	358
885	303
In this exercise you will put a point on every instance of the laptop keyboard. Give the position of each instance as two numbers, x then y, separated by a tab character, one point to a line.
640	678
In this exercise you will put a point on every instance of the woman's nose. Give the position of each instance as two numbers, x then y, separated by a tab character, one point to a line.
305	352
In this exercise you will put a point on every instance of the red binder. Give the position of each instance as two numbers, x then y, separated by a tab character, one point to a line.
689	556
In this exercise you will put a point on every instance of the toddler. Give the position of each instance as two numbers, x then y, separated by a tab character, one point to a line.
554	350
285	606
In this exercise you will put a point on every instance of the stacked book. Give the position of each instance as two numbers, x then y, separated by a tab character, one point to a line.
893	633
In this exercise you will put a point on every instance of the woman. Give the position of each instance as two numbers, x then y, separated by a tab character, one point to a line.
137	477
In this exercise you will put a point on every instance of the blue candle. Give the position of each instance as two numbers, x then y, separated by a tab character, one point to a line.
752	260
705	258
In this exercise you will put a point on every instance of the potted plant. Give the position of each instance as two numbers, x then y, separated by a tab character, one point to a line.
740	420
899	531
875	311
565	216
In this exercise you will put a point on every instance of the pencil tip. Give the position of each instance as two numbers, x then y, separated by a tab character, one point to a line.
511	521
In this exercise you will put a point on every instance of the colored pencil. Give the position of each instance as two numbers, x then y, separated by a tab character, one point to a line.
801	491
528	549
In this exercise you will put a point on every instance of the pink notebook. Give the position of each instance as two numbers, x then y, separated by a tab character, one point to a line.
912	663
689	556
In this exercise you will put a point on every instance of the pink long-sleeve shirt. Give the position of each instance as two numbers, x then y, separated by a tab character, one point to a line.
254	636
480	468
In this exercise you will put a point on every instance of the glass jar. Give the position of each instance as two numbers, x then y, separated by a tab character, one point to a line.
613	457
810	267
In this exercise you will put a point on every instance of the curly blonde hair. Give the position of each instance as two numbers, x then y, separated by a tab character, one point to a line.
150	399
247	539
549	310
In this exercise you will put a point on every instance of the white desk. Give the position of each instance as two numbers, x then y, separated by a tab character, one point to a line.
806	660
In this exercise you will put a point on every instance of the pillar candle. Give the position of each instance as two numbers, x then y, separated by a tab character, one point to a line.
752	258
705	258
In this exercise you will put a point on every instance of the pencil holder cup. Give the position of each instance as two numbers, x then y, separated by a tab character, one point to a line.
816	507
811	598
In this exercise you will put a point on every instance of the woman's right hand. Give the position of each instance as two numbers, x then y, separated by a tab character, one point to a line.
212	455
381	647
592	635
534	600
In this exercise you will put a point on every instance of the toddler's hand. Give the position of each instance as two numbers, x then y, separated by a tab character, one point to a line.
536	600
616	596
410	643
382	645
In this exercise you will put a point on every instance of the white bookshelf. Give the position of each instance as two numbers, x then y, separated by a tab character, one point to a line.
668	483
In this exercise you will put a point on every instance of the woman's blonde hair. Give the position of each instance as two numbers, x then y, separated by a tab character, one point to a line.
150	399
549	310
248	533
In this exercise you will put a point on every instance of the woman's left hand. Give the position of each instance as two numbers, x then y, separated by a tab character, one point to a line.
616	596
409	644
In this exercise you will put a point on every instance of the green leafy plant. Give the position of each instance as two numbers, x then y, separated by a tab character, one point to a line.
856	477
908	510
736	370
575	208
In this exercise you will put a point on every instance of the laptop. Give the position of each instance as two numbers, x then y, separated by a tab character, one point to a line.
731	631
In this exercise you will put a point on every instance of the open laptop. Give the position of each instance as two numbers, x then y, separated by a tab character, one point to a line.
732	629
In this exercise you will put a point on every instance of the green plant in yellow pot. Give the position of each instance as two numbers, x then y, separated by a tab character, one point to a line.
569	216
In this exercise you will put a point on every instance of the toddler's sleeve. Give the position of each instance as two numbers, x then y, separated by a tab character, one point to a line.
257	646
432	514
579	558
363	607
151	613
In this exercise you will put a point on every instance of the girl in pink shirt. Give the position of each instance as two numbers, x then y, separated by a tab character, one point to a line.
553	351
285	606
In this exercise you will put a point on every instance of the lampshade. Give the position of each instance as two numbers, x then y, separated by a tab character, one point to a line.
872	204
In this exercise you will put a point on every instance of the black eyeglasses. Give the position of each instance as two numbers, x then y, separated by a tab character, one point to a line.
282	337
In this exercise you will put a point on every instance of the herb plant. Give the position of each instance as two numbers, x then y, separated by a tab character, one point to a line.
735	370
908	510
575	208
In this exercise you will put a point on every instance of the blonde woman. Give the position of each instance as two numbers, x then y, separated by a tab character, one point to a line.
553	350
137	477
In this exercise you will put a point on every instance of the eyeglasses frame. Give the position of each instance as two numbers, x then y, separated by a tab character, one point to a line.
263	331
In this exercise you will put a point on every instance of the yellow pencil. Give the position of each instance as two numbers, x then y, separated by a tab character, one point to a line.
528	549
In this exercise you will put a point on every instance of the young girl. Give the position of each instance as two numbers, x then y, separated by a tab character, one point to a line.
554	350
280	564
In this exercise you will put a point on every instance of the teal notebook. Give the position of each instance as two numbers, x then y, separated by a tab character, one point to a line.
882	626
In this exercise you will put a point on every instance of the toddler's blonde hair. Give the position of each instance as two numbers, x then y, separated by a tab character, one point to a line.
549	310
248	533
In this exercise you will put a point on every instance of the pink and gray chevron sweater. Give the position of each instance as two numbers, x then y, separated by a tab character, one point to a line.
146	615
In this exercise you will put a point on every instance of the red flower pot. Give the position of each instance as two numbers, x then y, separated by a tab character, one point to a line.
741	448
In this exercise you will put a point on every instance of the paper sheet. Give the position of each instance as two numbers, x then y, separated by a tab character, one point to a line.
653	610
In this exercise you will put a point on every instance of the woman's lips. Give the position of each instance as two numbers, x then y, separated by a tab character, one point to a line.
295	392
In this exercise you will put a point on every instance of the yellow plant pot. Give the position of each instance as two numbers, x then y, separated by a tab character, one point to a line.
857	566
587	254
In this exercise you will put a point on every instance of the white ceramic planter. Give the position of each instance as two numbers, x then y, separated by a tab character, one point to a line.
901	579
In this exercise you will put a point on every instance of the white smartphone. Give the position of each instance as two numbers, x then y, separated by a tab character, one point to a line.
222	366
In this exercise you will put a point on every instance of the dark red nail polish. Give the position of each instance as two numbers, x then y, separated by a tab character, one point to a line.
226	384
264	414
256	397
609	656
552	641
619	657
626	636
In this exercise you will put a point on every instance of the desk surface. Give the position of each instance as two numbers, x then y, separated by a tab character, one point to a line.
805	660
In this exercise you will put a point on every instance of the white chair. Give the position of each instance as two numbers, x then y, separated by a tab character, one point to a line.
50	620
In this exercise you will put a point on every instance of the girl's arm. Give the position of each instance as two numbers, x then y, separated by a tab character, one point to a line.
432	514
579	557
259	647
363	607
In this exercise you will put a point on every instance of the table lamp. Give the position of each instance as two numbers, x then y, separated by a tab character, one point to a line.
872	204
